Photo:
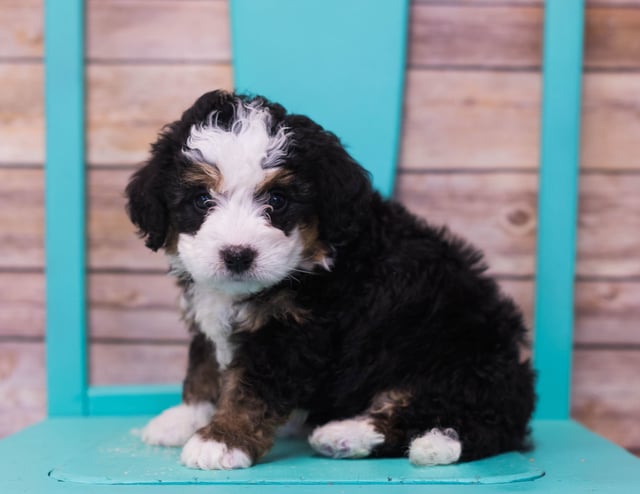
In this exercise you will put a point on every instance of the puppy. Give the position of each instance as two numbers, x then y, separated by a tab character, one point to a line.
305	290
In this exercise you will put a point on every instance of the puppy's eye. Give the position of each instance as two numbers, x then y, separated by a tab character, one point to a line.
277	201
203	202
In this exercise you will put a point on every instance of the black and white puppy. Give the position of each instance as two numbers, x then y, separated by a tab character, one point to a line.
305	290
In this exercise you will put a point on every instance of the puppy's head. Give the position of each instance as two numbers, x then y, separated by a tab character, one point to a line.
242	195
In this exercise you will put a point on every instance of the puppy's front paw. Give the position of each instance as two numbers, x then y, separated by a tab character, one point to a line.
212	455
353	438
176	425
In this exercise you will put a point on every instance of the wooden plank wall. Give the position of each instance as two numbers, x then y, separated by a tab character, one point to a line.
469	158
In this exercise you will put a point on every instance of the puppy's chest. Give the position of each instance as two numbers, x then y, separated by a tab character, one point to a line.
217	315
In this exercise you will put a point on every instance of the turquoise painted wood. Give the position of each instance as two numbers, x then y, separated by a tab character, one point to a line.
132	400
573	459
118	457
340	62
557	204
82	454
65	208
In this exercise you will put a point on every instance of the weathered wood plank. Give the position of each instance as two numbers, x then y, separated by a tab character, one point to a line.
22	304
112	241
22	385
607	312
21	34
467	120
457	35
128	105
496	212
185	31
137	363
608	225
21	113
21	218
489	120
135	306
610	123
469	35
605	396
609	3
490	3
612	38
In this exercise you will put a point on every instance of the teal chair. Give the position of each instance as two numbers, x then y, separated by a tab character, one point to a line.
88	443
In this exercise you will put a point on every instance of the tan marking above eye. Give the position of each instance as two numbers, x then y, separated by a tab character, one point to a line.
278	180
205	175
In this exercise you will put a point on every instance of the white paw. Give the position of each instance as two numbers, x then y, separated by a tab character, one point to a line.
176	425
436	447
212	455
353	438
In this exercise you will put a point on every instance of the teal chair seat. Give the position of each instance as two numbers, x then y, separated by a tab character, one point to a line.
102	454
347	72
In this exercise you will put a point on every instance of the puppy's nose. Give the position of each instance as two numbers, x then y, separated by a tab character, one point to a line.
238	258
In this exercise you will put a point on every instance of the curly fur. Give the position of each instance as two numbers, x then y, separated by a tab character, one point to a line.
397	323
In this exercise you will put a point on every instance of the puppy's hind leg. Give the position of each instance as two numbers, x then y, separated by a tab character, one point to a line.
436	447
351	438
396	414
374	433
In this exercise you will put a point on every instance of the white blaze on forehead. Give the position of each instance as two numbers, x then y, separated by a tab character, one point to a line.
243	152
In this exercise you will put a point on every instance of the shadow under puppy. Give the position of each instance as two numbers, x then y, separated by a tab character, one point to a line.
304	289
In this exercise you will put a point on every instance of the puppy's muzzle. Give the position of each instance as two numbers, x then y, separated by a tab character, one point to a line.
238	258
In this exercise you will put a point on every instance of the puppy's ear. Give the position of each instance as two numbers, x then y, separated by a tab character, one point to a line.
147	189
343	188
146	204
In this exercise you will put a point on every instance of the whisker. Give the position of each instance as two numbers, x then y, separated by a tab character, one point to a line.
298	270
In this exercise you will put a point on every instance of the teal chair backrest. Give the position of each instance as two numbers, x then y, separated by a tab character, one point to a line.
65	244
558	205
320	64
